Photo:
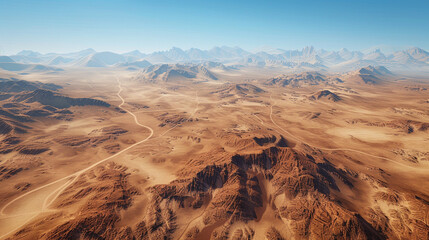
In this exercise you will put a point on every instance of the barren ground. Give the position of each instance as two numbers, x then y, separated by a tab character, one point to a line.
174	131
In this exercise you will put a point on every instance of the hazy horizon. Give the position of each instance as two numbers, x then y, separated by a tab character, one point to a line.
383	48
234	120
123	26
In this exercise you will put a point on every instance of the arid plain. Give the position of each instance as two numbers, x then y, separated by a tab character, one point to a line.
180	151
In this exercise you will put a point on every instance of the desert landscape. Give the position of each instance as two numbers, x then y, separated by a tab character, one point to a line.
208	150
214	120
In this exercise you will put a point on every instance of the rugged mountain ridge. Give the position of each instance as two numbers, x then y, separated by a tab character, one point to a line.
302	79
369	75
175	72
50	98
238	89
308	57
15	85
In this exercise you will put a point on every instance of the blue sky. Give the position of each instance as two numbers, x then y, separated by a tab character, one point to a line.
120	26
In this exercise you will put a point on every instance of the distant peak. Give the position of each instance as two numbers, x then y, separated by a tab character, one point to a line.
87	51
308	50
416	50
29	53
176	49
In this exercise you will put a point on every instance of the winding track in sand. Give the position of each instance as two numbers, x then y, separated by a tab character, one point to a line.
73	177
340	149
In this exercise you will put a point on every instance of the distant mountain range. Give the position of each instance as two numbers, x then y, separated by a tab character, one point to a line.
306	58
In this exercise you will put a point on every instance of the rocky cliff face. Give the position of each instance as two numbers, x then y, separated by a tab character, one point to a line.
302	182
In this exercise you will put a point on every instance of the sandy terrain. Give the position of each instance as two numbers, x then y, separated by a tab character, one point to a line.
232	157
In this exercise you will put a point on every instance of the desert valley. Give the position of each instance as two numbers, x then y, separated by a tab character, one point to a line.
219	144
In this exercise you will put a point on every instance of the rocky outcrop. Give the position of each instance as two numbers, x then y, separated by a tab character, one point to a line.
302	79
50	98
38	113
240	90
105	197
5	127
32	149
296	176
175	72
369	75
12	116
16	86
325	95
174	119
298	184
406	126
94	138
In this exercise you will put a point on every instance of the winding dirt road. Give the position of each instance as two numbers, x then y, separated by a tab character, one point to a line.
340	149
70	179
